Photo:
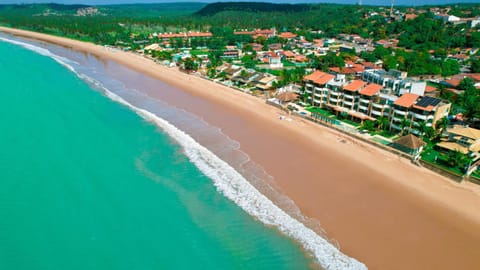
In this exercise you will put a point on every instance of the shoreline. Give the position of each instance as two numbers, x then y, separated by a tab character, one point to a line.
440	199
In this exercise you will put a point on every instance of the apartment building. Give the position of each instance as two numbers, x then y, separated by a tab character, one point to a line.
315	91
394	82
363	100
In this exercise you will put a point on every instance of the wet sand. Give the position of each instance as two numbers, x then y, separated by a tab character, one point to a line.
380	208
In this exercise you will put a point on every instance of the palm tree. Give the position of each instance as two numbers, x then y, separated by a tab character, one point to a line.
457	159
441	125
422	128
382	123
367	125
430	133
405	124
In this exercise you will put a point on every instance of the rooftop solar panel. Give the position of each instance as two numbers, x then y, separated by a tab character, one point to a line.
426	101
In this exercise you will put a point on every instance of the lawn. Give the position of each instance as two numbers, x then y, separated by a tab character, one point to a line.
288	64
387	134
320	111
198	52
439	160
476	174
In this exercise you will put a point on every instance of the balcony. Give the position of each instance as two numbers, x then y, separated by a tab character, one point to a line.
362	100
333	93
333	100
396	127
398	112
420	116
347	103
396	119
309	85
318	100
320	95
377	113
379	106
348	96
361	107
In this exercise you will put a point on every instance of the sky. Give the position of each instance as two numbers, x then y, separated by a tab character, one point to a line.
365	2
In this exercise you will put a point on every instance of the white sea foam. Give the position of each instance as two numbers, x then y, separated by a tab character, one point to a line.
62	60
229	182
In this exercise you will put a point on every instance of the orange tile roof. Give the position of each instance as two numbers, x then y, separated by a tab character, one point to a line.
259	35
430	89
318	42
354	86
288	53
454	82
410	16
335	69
324	79
200	34
314	75
270	53
474	76
167	35
264	31
319	77
371	89
460	56
346	70
358	68
368	64
406	100
287	35
300	58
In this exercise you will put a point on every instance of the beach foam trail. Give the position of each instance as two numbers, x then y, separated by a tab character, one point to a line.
231	184
228	181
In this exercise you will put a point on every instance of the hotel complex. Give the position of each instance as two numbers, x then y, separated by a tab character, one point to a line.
378	94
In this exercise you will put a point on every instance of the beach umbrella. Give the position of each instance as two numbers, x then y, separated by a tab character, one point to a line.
287	96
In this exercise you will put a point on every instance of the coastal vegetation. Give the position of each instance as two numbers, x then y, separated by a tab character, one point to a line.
106	24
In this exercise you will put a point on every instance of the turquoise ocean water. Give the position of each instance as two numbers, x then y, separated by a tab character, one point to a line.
86	183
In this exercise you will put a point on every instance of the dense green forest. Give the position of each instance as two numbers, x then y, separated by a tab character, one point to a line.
131	23
215	8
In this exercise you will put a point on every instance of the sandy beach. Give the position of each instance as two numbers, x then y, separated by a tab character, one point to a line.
381	209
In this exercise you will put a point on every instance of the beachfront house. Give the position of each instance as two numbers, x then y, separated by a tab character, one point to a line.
247	77
266	83
462	139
